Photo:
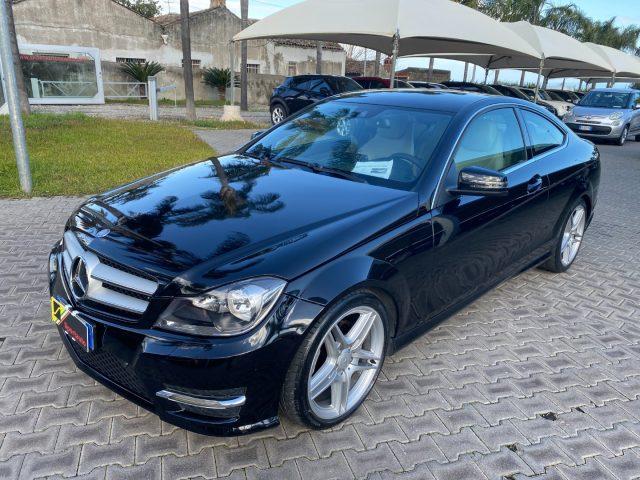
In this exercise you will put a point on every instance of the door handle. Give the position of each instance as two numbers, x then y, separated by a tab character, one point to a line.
534	184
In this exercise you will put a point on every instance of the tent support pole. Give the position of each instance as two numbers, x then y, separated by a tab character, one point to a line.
394	59
535	98
613	80
563	80
466	69
232	62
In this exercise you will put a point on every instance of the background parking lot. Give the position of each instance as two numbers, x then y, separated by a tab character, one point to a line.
539	378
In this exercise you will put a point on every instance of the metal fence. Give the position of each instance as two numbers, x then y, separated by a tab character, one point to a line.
124	90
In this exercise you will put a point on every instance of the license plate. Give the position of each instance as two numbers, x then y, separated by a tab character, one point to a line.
584	128
77	329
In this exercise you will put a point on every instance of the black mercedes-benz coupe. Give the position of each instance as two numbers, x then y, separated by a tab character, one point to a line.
275	280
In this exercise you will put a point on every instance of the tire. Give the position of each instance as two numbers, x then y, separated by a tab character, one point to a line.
278	113
561	259
310	364
622	139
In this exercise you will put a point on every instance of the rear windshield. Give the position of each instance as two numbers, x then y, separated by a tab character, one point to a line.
379	144
344	84
606	100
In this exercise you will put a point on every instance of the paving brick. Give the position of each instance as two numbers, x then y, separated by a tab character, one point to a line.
372	435
63	463
151	469
327	442
414	453
334	467
199	465
229	459
280	450
106	455
460	443
367	461
148	447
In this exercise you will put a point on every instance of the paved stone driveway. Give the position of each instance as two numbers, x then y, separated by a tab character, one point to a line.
539	378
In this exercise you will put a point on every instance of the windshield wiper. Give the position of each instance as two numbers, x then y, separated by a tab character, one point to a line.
317	168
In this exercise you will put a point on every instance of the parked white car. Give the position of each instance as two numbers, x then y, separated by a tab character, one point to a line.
561	107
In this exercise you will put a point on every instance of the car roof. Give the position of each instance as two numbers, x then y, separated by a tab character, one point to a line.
614	90
443	100
316	75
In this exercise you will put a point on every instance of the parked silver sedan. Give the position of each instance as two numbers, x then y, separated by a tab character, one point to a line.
609	113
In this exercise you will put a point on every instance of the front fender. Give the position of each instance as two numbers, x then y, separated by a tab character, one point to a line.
327	283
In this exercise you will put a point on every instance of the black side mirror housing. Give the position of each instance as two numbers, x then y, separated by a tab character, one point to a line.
481	181
256	134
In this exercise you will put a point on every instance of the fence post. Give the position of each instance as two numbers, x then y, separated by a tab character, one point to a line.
152	93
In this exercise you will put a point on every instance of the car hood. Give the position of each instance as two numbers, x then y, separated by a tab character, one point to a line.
233	217
581	111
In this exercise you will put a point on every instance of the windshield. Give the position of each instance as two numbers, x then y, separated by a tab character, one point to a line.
379	144
557	97
344	84
606	100
544	95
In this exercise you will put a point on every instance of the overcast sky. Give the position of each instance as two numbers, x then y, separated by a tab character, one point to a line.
627	12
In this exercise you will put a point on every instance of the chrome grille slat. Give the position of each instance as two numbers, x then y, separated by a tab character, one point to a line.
101	276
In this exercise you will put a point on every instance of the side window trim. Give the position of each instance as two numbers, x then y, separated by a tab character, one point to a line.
450	159
565	136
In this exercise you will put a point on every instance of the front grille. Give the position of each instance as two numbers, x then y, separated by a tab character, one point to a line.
103	282
595	129
110	366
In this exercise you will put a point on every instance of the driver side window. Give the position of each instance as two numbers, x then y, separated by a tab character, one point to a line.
492	140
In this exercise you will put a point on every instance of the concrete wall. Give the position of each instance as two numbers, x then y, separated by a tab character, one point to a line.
119	32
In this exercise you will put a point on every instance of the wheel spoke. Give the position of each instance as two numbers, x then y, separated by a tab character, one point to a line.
363	354
360	330
339	337
332	346
322	379
340	392
576	219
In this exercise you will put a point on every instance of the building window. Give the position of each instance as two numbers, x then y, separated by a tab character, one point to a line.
130	60
52	55
292	69
253	68
194	63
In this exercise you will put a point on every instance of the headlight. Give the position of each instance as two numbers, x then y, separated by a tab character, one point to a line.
230	310
615	116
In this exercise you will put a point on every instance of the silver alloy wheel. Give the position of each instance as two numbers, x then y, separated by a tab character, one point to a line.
624	135
572	235
277	114
346	363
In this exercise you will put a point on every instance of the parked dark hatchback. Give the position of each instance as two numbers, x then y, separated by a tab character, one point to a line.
472	87
377	83
277	278
300	91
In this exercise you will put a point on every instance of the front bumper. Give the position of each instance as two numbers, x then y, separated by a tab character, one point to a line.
597	130
223	386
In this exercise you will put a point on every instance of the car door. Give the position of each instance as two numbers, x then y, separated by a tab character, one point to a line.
302	95
480	240
548	147
635	113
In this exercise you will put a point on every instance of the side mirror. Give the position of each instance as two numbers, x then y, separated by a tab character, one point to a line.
636	106
256	134
480	181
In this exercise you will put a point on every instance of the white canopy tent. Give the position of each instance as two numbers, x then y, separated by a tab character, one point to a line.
558	55
623	65
393	27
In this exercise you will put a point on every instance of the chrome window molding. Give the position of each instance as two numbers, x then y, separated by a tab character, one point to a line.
517	107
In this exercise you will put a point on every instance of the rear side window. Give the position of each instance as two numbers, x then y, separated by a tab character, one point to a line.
492	140
544	135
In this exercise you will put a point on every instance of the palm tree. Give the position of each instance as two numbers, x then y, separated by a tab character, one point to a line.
217	78
141	71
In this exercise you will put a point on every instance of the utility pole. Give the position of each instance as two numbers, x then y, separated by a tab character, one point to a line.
244	16
187	67
15	117
15	52
318	58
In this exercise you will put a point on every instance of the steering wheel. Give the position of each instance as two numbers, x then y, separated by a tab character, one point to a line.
414	163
